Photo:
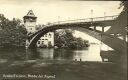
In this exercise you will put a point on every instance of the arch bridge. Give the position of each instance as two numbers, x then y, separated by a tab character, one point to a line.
114	37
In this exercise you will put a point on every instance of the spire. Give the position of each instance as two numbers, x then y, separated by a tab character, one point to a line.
30	17
30	13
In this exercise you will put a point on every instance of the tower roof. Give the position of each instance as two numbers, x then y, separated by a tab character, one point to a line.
30	14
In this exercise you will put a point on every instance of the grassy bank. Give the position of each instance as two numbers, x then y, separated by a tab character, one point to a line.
63	70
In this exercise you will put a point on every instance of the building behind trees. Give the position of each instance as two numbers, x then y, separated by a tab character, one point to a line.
30	24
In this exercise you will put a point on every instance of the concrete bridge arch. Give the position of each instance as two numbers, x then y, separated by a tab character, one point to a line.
84	27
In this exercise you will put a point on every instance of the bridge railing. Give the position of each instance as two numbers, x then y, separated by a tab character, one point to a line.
72	21
81	20
85	20
105	18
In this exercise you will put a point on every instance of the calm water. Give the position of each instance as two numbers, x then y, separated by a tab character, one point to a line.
90	54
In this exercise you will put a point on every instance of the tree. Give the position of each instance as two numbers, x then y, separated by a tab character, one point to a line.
12	33
125	5
65	39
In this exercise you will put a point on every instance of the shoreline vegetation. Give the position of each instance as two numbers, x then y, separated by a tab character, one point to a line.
13	35
64	39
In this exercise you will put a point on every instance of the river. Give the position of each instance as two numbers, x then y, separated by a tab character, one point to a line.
92	53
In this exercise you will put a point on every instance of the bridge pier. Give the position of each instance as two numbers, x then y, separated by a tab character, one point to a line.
125	37
103	29
94	28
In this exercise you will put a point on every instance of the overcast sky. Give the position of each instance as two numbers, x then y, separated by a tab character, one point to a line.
54	10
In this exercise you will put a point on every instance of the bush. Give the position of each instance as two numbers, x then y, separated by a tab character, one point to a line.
65	39
12	33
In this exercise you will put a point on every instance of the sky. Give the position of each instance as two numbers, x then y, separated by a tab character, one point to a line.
59	10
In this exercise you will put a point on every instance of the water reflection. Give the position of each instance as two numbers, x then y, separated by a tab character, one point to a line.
90	54
45	53
32	54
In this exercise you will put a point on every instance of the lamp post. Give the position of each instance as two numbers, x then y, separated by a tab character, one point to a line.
104	15
58	19
92	14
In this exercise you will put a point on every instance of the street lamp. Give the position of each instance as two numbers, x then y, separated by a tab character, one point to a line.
104	15
92	14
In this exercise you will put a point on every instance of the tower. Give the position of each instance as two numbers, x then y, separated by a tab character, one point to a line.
30	21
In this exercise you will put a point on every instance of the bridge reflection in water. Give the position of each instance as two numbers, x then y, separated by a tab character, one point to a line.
91	53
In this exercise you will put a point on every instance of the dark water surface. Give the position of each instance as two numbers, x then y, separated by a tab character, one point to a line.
58	64
92	53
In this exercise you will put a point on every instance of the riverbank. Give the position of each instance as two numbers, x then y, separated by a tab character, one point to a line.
62	70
